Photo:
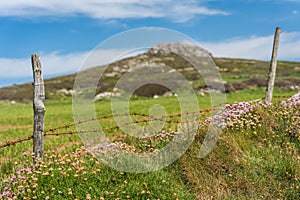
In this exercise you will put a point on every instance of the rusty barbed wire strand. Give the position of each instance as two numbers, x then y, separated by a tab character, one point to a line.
113	128
11	143
94	119
282	96
124	115
137	122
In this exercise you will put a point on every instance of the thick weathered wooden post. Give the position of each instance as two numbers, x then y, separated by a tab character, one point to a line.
38	107
272	71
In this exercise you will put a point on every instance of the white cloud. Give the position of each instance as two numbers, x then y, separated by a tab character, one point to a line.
251	48
177	10
61	64
257	47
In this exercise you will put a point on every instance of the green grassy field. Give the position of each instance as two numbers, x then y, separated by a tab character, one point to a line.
260	162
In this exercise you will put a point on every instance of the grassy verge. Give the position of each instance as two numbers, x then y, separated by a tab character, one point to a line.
255	162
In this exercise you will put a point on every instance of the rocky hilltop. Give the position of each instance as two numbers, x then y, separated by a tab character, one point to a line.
179	49
163	63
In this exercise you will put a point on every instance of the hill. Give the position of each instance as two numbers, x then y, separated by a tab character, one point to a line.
237	73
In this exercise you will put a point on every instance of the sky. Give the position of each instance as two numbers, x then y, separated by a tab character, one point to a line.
64	32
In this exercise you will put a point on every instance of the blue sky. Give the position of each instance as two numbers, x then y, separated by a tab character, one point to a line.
63	32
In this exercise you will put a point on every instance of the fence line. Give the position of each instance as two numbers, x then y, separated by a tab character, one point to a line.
52	131
115	127
124	115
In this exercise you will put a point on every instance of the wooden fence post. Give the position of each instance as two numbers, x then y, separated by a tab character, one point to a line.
38	107
272	70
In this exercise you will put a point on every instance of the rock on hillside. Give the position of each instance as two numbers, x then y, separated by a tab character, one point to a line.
180	49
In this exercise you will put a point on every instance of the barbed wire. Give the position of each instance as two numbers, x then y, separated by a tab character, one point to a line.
11	143
52	131
125	115
115	127
281	96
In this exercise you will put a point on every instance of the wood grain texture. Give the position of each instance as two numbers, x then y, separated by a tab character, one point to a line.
273	65
38	107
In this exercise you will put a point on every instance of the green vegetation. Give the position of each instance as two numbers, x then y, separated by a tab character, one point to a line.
233	71
238	69
255	161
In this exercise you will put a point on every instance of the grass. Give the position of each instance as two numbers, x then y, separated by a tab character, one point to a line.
62	179
247	162
243	68
257	162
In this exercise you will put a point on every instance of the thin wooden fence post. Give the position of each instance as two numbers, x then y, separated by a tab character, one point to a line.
38	107
272	70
